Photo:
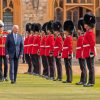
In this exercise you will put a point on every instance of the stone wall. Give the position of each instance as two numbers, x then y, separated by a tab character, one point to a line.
34	15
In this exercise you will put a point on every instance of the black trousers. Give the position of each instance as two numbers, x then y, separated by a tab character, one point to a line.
51	66
45	65
23	58
82	64
90	65
29	62
59	68
3	58
68	68
36	63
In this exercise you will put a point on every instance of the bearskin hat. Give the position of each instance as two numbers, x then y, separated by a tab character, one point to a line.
56	26
89	19
37	27
68	26
49	26
33	27
44	27
81	25
28	27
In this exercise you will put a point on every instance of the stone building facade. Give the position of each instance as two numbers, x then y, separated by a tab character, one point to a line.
29	14
21	12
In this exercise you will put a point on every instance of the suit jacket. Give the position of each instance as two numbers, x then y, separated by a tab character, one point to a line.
13	49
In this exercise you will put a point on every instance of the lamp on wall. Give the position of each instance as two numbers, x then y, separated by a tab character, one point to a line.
35	4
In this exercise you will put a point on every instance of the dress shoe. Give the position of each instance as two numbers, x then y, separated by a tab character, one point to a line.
57	79
88	85
66	82
51	78
79	83
13	82
5	79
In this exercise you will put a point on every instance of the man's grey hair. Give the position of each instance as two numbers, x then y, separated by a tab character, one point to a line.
15	26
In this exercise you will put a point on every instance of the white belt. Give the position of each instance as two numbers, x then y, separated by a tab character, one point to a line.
87	45
4	36
65	47
35	45
27	45
47	46
42	46
56	47
78	47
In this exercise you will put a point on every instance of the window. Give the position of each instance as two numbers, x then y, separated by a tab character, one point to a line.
58	10
98	26
97	3
82	1
59	15
75	1
69	14
8	14
8	19
61	3
68	1
75	16
89	1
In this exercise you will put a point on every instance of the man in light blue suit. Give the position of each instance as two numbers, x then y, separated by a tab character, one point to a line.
14	51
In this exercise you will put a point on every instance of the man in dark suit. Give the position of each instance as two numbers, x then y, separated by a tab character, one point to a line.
14	51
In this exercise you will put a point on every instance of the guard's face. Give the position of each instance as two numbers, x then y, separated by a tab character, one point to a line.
55	32
86	26
48	32
79	32
42	33
66	33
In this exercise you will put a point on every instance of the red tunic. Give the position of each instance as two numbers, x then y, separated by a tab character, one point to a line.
42	46
36	44
2	43
31	39
58	46
67	47
49	45
79	48
89	44
26	45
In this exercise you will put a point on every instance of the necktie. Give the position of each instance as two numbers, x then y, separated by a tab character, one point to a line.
15	37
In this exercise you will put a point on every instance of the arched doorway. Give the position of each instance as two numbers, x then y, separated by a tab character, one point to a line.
10	13
58	10
75	13
98	25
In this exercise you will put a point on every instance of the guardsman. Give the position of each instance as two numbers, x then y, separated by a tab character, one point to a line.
58	48
3	36
42	50
79	51
89	51
36	50
49	51
68	28
26	48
